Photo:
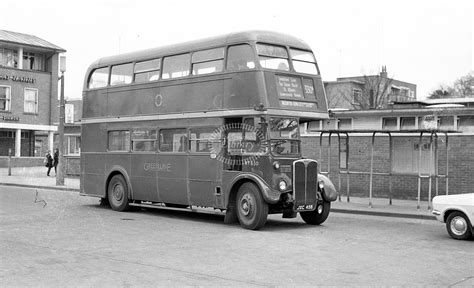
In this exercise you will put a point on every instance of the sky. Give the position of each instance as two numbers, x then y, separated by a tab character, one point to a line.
427	43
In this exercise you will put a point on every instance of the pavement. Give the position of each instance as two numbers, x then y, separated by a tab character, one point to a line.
35	177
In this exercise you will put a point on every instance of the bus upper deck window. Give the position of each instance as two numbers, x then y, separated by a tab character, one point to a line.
208	61
240	57
121	74
273	57
99	78
147	70
303	61
176	66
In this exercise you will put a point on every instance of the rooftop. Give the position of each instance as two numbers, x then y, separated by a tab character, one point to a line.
28	40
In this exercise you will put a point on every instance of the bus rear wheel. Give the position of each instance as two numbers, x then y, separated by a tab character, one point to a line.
117	193
319	215
252	211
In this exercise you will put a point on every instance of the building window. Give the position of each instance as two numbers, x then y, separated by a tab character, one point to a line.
99	78
147	70
33	61
315	126
389	123
428	122
119	140
5	98
356	96
144	140
343	152
446	122
31	101
344	124
176	66
25	135
466	123
407	123
8	57
121	74
73	145
7	134
173	140
208	61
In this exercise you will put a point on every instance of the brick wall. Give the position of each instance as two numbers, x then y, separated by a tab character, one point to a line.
461	166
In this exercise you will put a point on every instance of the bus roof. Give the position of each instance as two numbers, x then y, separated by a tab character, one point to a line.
222	40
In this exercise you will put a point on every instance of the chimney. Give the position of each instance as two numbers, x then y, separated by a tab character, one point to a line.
383	74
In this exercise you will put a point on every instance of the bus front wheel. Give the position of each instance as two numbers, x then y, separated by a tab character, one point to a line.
117	193
252	211
319	215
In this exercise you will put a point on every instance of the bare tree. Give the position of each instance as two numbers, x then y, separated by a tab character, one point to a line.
376	91
365	92
464	86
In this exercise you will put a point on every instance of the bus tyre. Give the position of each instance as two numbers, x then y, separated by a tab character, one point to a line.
252	210
458	226
117	193
318	216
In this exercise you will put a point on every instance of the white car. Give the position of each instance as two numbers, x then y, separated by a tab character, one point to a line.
457	211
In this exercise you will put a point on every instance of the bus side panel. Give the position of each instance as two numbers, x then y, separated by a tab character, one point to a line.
191	97
92	174
244	90
320	95
143	176
93	159
133	101
204	176
95	103
172	178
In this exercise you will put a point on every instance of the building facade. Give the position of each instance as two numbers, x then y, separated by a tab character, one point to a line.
445	148
29	68
368	92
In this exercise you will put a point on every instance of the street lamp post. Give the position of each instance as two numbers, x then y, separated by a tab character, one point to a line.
60	168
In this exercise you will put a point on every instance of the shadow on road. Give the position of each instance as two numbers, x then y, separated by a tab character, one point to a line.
272	224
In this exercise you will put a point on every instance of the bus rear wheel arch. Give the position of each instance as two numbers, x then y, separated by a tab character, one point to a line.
117	193
252	210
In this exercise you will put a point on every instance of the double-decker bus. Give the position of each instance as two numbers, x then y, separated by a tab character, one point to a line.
212	123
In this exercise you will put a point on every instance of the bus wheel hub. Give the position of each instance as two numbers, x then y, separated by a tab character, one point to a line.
118	192
246	205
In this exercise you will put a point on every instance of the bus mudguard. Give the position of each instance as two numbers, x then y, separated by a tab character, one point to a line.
271	196
118	170
329	191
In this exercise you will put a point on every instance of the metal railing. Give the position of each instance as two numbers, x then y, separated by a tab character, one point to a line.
434	169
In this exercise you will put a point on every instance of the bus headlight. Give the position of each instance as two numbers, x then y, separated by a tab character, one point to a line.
321	185
276	165
282	185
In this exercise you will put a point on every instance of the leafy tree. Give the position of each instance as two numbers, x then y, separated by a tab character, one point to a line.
462	87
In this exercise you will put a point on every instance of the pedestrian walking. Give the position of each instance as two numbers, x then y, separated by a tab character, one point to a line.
56	160
49	162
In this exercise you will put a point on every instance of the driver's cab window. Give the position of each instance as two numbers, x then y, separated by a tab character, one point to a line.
284	137
247	138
